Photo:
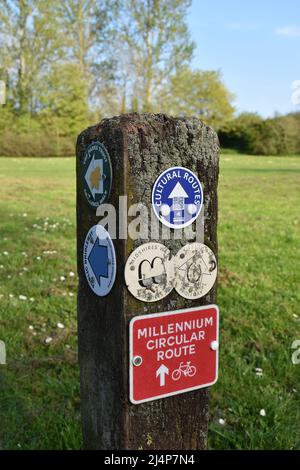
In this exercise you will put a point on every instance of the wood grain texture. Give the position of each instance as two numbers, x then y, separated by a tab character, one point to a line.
140	147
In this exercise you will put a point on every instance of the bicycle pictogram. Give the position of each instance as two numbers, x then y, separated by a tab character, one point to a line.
185	370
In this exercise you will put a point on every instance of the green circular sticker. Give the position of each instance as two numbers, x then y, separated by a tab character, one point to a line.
97	174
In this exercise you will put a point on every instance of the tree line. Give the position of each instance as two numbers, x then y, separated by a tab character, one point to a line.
249	133
69	63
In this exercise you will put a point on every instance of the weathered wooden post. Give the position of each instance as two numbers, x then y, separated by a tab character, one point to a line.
140	148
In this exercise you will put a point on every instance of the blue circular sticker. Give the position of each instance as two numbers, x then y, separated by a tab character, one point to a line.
177	197
99	260
97	174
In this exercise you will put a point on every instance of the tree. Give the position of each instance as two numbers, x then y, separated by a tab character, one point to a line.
65	109
29	45
87	29
269	138
198	93
154	41
240	133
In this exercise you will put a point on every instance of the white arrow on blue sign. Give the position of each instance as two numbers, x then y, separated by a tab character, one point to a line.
99	260
177	197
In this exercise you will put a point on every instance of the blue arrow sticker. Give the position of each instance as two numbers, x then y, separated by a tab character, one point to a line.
99	260
177	197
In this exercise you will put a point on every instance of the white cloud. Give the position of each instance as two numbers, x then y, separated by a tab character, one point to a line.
289	31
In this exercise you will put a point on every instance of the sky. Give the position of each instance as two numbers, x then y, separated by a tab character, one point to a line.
256	46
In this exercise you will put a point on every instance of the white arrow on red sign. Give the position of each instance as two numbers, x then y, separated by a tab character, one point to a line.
162	371
177	352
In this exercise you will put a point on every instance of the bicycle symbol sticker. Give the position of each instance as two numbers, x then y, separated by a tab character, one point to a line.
185	370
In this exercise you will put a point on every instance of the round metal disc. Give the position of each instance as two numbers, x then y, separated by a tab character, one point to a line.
195	270
149	273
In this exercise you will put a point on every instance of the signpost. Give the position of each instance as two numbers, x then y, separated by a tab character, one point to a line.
124	156
173	352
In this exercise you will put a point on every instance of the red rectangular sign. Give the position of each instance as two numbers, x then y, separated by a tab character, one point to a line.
173	352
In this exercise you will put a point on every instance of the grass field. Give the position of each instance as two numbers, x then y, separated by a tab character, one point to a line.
258	297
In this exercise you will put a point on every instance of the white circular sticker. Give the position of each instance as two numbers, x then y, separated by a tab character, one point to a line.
195	270
99	260
149	272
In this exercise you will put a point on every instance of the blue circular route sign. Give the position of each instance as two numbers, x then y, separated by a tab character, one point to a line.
177	197
99	260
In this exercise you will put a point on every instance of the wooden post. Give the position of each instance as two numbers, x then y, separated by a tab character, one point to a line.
140	148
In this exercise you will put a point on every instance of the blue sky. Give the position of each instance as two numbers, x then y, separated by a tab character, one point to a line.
255	44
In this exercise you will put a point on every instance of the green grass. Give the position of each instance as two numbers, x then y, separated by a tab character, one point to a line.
258	299
39	387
